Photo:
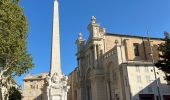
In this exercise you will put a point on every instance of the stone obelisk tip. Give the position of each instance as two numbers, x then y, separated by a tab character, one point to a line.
55	49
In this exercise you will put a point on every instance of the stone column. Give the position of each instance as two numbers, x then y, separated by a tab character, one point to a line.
56	82
99	88
55	46
95	56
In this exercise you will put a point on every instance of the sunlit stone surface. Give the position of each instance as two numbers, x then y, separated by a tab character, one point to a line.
56	82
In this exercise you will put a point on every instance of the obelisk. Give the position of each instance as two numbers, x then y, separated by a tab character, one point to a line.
55	46
56	83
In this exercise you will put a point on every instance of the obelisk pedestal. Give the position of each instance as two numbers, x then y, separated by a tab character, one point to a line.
56	83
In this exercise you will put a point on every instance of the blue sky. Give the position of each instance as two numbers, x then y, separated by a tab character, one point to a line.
117	16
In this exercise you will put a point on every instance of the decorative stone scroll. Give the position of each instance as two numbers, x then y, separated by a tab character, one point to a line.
56	87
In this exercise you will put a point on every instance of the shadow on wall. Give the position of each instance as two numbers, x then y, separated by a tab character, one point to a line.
42	94
39	97
150	92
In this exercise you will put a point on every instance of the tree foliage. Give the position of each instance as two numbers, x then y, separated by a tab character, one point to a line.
14	94
13	39
164	62
14	57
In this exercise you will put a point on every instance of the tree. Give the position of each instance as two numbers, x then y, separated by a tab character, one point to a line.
164	62
14	57
14	94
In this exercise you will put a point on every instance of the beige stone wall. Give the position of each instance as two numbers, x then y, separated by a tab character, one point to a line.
34	87
110	42
133	77
142	81
128	41
72	82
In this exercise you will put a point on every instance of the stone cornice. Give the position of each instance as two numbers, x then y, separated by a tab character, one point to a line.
136	63
125	35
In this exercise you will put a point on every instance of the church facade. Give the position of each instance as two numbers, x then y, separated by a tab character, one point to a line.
116	67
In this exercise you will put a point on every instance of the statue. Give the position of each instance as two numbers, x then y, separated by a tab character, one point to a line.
93	19
57	83
55	78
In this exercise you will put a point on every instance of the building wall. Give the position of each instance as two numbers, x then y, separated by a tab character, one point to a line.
107	67
34	87
142	81
73	83
128	41
127	86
